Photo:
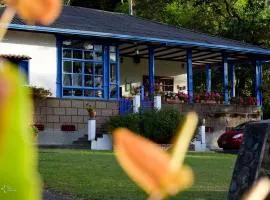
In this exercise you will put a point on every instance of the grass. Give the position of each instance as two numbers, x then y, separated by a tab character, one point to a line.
97	175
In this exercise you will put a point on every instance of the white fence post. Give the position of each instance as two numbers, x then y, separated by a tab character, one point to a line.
157	102
136	103
91	129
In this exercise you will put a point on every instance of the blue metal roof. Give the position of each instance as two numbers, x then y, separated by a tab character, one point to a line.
91	22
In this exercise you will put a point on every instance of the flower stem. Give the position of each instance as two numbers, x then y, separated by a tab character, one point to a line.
5	20
183	141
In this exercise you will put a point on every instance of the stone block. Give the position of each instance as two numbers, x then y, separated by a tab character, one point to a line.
40	102
99	113
71	111
77	119
40	119
59	111
53	119
64	103
106	112
49	126
77	104
56	126
43	111
85	119
65	119
53	103
115	112
49	111
101	104
101	120
90	103
82	127
82	111
112	105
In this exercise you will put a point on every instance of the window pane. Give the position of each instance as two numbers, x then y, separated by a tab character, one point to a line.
77	54
98	56
99	93
67	53
113	68
98	69
98	48
112	49
67	92
67	67
88	55
88	68
88	81
98	81
77	80
113	91
89	93
67	81
77	67
112	57
88	46
78	92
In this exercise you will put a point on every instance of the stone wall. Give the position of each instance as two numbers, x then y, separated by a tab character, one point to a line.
53	113
219	118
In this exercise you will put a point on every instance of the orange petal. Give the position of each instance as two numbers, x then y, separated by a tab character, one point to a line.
42	11
148	165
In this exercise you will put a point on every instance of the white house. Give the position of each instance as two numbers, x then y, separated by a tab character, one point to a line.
96	55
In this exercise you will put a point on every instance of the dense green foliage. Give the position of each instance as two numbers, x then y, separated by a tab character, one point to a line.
157	125
97	176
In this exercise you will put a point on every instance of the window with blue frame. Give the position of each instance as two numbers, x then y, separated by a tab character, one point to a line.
113	69
85	70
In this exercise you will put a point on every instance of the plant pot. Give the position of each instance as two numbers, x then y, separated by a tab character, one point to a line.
92	114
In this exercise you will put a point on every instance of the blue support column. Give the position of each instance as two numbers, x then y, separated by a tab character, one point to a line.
232	81
225	79
189	75
208	78
59	44
118	72
258	83
106	64
151	71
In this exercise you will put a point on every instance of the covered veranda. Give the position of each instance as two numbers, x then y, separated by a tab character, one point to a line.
203	55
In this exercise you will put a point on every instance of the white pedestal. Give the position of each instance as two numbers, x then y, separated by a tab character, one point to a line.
91	130
157	102
136	103
104	143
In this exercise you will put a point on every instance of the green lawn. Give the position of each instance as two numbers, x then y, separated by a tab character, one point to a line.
97	175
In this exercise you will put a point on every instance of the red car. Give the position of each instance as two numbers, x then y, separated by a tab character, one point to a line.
233	138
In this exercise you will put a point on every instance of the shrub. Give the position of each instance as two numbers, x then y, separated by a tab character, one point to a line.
39	92
130	121
156	125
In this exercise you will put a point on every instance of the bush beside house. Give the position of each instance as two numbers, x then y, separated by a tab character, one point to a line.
157	125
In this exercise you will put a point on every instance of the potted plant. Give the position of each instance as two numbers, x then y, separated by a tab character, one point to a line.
91	111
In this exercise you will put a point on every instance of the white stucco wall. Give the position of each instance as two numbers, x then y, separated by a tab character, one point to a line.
42	49
132	72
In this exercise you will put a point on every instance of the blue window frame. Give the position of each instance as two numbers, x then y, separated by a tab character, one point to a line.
85	69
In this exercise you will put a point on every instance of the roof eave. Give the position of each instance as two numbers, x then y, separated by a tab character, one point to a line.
137	38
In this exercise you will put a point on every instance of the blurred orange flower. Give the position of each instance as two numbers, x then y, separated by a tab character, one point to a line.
41	11
156	171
